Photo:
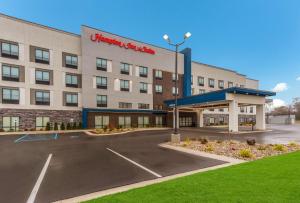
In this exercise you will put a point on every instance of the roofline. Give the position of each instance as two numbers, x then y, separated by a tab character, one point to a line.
39	25
130	38
252	79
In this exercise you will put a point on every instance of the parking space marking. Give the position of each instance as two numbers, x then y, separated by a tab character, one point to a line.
39	181
56	136
20	138
137	164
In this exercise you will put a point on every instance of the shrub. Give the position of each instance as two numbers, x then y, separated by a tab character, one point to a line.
219	141
279	147
261	147
187	142
55	126
203	140
68	126
293	144
251	142
74	126
48	126
209	148
79	125
62	126
245	153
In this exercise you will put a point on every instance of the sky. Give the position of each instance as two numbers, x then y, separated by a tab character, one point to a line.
258	38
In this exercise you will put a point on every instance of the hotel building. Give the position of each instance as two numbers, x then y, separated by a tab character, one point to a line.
102	80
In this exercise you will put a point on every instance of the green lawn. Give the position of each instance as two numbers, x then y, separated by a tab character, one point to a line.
274	179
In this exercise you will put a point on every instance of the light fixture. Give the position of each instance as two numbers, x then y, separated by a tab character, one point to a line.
187	35
166	37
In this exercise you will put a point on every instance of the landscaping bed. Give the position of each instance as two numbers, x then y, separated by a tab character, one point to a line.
241	150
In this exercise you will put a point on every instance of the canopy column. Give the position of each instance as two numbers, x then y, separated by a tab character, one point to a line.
260	117
233	116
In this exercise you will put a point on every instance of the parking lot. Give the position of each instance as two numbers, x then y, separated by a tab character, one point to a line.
52	167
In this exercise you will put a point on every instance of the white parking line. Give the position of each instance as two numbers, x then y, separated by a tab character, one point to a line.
39	181
133	162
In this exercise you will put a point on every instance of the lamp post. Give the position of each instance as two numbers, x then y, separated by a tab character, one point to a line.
175	137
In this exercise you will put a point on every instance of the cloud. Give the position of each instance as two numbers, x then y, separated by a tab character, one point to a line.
275	104
280	87
298	78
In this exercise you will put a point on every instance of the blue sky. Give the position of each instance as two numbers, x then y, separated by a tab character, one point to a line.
259	38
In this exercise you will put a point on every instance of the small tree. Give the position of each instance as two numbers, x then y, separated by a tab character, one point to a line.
55	126
74	126
68	126
79	125
48	126
62	126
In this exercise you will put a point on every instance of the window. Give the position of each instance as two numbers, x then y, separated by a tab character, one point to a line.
158	89
10	123
143	106
201	81
185	121
158	107
211	109
71	80
41	122
125	105
71	99
211	120
10	50
10	96
158	121
158	74
221	84
242	86
251	109
10	73
41	56
201	91
242	109
221	120
42	77
71	61
192	91
173	91
125	68
124	85
230	84
192	79
211	82
42	98
101	100
143	121
124	121
101	82
143	71
143	87
101	64
221	110
173	76
101	121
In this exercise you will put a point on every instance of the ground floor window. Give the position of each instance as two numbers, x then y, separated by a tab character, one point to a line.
101	121
143	121
41	122
185	121
158	121
124	121
10	123
211	120
221	120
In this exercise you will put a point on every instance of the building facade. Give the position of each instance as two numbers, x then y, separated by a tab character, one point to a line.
100	79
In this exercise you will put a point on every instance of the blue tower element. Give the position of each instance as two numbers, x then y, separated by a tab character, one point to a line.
187	91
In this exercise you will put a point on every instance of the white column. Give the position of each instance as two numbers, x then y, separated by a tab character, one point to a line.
174	118
260	117
200	121
233	116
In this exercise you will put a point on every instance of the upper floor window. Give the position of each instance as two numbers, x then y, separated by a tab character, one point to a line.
230	84
201	91
125	105
251	109
158	89
71	99
143	87
124	85
143	106
192	79
158	74
10	73
42	77
71	61
10	50
221	84
143	71
175	91
242	86
71	80
125	68
42	56
174	76
10	96
101	64
42	98
211	82
201	81
101	82
101	100
242	109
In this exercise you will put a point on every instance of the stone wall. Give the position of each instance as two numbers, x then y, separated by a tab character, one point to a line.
27	116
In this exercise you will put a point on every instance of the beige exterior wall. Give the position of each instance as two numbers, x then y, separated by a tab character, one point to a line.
27	34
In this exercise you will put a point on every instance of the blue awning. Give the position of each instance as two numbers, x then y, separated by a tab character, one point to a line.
217	96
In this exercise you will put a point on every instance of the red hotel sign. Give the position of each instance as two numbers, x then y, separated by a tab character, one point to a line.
100	38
